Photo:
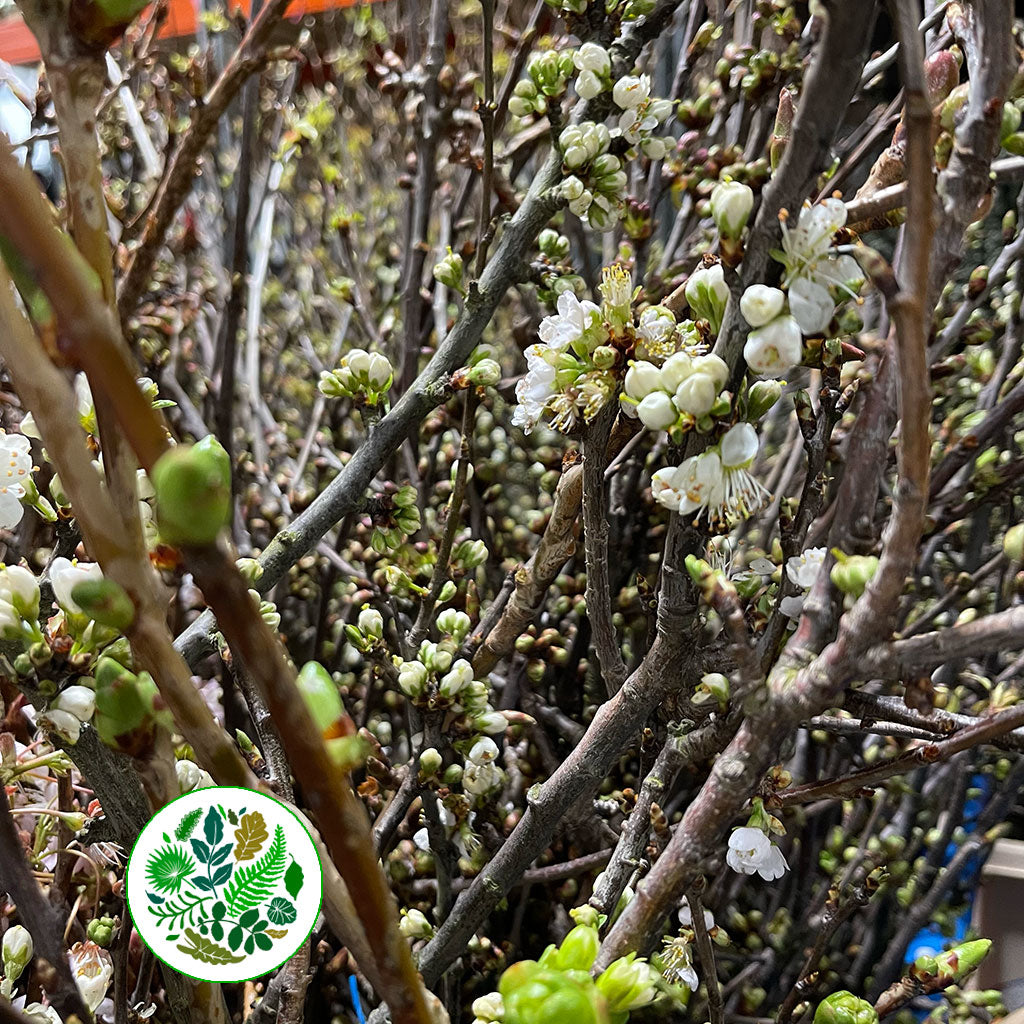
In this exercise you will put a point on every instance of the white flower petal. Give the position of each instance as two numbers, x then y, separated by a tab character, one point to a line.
811	305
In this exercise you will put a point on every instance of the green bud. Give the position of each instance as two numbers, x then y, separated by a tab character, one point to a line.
129	708
250	569
485	373
430	761
100	930
953	966
447	592
449	271
628	984
578	950
763	394
852	574
845	1008
320	693
193	492
1013	543
104	601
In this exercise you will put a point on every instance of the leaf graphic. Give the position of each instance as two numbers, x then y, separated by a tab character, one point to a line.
281	911
201	850
253	884
293	879
167	868
187	825
213	827
207	951
277	933
251	835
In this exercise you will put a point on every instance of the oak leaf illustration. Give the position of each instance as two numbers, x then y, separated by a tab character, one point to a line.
251	834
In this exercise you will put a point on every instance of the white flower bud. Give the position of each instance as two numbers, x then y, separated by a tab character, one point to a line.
591	57
379	370
731	203
492	723
696	395
573	188
412	678
707	294
454	623
358	362
581	205
17	952
761	304
656	411
675	370
773	349
191	777
371	623
461	673
79	701
641	379
20	588
489	1008
654	148
588	85
414	925
430	761
715	367
63	723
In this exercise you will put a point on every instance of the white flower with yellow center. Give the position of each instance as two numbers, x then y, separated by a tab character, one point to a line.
573	319
15	467
813	269
717	481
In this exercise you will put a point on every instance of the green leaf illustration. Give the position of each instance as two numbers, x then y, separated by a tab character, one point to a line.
168	867
207	951
277	933
187	825
253	884
213	827
281	911
263	941
251	835
293	879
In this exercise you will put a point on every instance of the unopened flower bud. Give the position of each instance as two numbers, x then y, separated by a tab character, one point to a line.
853	573
1013	543
696	395
461	673
775	348
578	950
104	601
845	1008
250	569
17	952
455	623
760	304
414	925
449	270
591	57
430	761
628	983
191	777
79	701
412	678
641	379
656	411
489	1008
763	394
707	294
371	623
731	203
485	373
193	492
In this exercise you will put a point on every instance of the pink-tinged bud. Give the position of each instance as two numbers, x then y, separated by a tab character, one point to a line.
941	74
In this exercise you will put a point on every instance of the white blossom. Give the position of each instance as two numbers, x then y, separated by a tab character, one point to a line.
752	852
813	269
717	481
15	467
92	969
686	916
573	319
677	960
803	569
776	347
19	588
79	701
656	325
534	390
483	751
656	411
631	90
588	85
66	575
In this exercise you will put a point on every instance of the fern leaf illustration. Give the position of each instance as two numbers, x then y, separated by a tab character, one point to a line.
253	884
187	825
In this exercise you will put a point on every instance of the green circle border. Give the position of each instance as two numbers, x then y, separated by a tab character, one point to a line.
241	789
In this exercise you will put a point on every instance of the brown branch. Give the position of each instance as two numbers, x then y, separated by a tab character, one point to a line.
41	919
176	182
706	953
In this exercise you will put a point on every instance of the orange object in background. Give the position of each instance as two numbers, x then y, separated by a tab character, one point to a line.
18	45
